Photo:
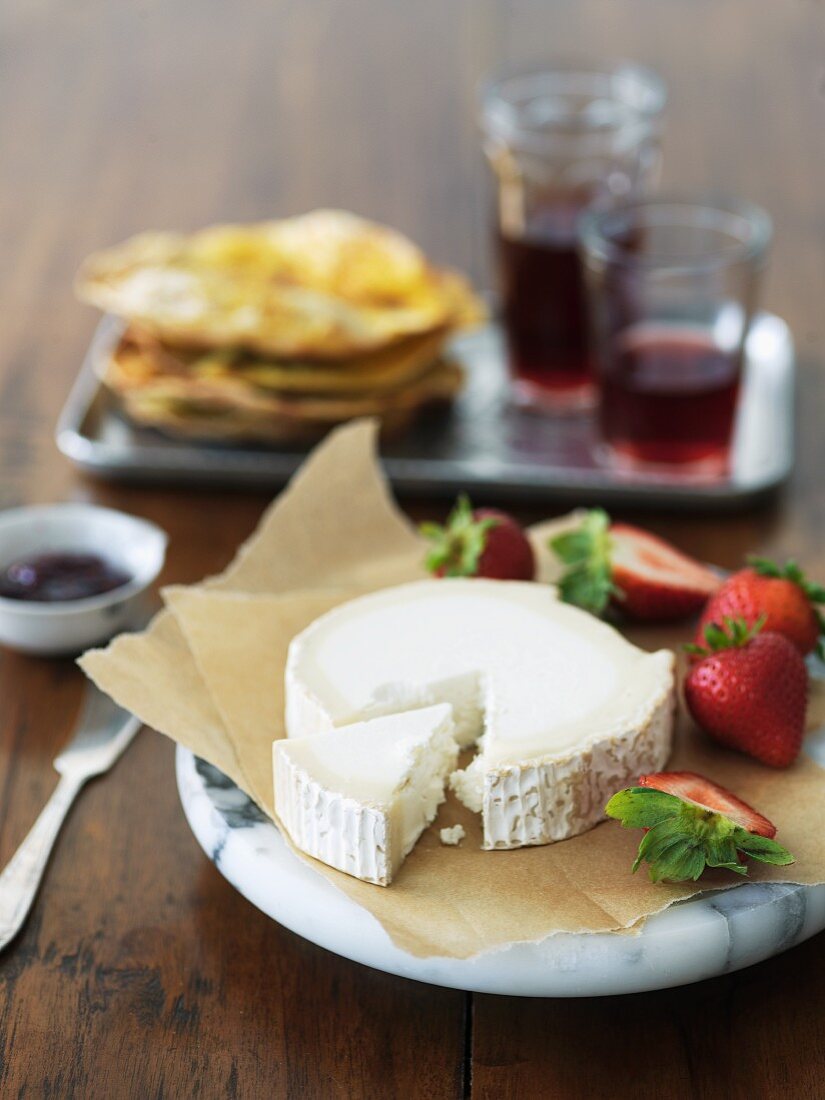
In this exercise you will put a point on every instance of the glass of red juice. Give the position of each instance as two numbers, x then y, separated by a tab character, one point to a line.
672	288
559	141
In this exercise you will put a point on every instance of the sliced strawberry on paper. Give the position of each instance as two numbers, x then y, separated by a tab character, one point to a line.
691	787
644	576
692	823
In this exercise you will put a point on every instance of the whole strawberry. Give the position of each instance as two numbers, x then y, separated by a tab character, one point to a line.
632	570
782	595
479	543
749	691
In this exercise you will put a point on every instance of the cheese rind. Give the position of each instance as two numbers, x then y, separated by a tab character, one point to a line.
358	798
569	710
540	802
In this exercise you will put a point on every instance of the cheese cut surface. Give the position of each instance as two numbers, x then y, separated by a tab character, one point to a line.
359	798
568	709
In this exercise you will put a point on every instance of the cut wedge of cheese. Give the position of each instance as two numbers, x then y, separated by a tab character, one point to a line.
359	798
569	710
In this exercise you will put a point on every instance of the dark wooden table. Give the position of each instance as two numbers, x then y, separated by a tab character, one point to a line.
142	973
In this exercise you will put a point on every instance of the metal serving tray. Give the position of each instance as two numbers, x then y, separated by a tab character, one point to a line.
484	444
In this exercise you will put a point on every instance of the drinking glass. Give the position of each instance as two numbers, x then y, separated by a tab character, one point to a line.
672	288
559	141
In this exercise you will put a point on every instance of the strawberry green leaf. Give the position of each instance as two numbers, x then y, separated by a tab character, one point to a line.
458	545
794	573
643	807
431	530
730	634
721	852
682	864
764	566
666	849
588	581
582	589
684	838
762	848
790	571
573	547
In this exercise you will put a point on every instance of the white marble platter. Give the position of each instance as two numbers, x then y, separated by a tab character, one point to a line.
701	938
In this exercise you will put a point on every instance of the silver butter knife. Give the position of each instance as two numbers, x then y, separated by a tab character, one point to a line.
103	731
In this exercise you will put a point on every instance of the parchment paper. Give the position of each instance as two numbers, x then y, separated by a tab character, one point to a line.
208	672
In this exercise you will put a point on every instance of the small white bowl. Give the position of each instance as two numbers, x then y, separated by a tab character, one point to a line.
70	626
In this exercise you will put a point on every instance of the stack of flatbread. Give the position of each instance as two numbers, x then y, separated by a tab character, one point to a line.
278	330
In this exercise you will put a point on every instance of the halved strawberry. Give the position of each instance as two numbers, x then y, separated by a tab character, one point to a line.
692	823
638	572
694	788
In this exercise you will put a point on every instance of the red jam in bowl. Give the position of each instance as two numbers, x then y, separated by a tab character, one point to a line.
60	576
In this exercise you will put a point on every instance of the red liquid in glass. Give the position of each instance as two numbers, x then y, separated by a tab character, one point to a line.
544	312
668	397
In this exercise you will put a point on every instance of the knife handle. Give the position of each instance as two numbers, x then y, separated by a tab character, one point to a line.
21	877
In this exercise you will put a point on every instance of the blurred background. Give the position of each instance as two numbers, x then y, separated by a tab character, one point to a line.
176	113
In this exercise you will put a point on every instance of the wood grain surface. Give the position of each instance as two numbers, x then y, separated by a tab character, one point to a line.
142	973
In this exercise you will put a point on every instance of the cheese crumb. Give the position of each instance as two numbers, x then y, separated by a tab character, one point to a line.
454	835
